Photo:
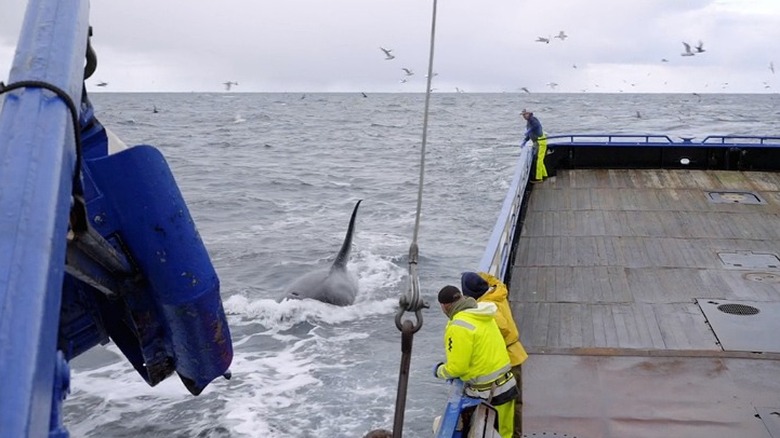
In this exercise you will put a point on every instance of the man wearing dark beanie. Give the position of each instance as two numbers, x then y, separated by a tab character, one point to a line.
488	288
476	354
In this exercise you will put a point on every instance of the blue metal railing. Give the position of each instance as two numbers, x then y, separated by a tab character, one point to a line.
612	139
661	140
741	140
714	152
496	256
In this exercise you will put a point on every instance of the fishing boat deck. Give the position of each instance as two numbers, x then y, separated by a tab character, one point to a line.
649	302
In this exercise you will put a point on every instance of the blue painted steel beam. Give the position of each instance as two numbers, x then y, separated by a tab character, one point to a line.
37	160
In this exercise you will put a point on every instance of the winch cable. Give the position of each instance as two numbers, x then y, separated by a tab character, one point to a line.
411	301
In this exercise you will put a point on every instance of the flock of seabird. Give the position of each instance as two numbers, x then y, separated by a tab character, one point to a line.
699	49
689	51
561	36
407	71
389	56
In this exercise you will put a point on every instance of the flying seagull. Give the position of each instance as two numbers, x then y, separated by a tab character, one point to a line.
700	47
407	71
525	89
388	56
664	60
229	84
552	85
687	50
562	35
543	40
102	84
772	67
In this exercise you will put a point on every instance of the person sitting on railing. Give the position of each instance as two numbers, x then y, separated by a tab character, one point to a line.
484	287
535	133
476	354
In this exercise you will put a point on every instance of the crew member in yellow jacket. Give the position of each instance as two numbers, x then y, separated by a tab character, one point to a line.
476	354
487	288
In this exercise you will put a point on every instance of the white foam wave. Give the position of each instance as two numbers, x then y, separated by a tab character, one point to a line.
283	315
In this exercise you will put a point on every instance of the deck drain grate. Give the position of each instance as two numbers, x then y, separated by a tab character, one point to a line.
735	198
738	309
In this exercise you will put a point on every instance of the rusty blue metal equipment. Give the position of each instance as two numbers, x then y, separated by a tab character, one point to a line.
93	246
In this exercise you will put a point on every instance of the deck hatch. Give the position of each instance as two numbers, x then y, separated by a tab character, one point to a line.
744	325
771	419
749	259
735	198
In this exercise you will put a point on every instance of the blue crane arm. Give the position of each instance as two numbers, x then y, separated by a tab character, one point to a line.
37	161
93	246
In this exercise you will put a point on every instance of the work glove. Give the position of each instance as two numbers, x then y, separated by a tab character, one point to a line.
436	369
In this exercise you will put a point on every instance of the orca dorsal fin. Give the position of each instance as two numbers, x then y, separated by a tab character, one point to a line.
343	256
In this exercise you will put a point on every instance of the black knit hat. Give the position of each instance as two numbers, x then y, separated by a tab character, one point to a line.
449	294
473	285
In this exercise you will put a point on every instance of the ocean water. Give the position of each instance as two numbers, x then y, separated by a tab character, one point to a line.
271	179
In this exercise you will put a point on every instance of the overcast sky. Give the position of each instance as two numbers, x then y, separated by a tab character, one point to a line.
481	45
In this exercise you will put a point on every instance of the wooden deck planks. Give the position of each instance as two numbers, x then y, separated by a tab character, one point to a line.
607	271
616	258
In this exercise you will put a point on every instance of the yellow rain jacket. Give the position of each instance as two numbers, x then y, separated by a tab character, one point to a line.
474	346
506	323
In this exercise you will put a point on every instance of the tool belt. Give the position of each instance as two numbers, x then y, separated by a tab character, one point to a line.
502	390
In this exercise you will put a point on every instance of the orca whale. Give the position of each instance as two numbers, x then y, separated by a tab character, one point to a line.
332	285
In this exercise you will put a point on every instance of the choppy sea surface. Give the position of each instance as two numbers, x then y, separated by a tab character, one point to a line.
271	179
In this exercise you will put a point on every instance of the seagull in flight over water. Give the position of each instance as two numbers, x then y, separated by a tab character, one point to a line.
562	35
543	40
388	56
229	84
700	47
407	71
102	84
525	89
772	67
